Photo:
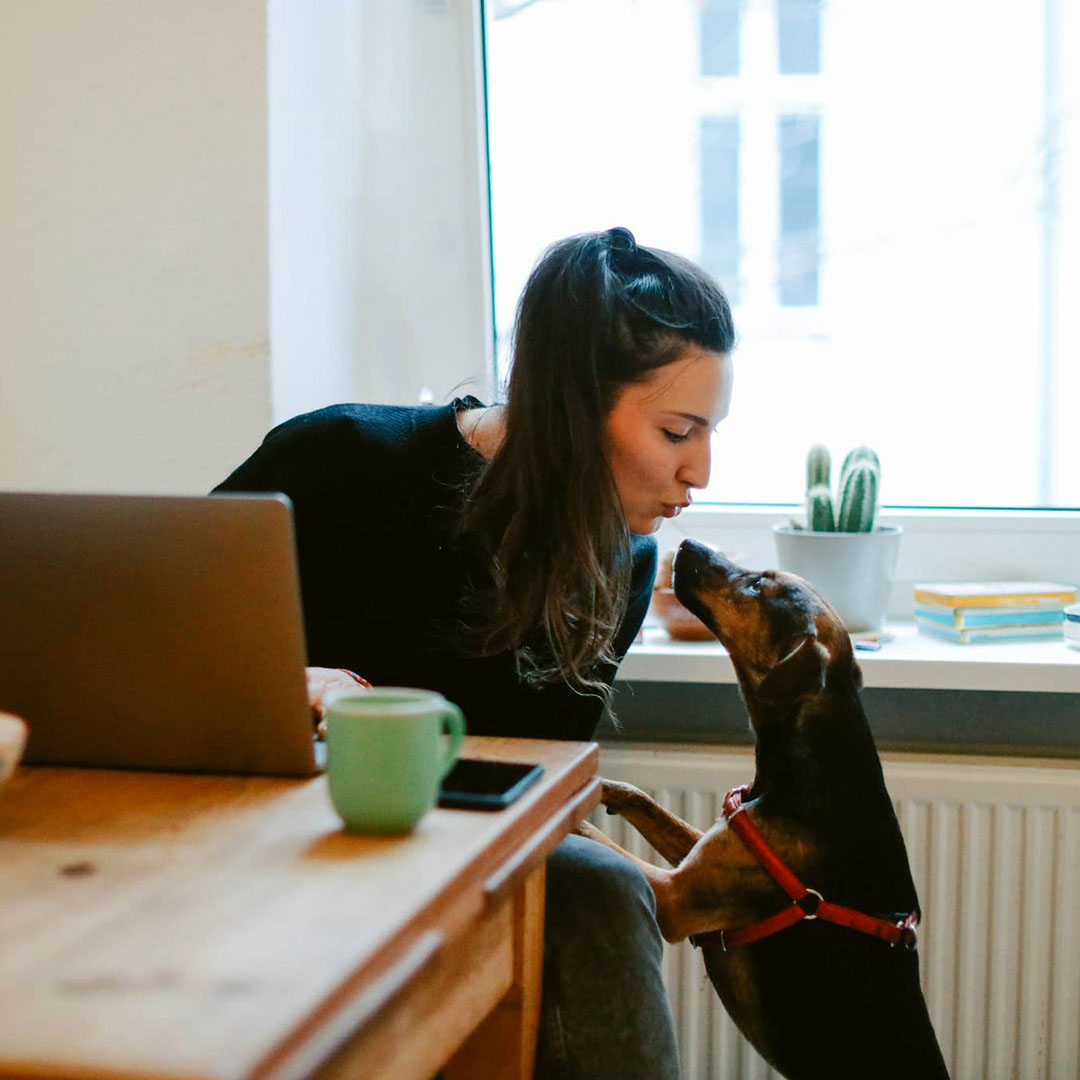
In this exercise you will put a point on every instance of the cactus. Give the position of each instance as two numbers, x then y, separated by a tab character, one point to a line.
819	509
858	498
857	495
817	467
855	457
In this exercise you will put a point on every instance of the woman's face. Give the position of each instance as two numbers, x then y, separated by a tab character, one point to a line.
658	435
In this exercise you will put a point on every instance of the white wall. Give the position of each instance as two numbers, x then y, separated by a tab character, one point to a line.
378	220
143	202
134	313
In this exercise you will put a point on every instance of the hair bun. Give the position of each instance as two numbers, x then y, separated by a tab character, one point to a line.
621	239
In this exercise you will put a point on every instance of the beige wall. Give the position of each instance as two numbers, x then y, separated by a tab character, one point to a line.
134	309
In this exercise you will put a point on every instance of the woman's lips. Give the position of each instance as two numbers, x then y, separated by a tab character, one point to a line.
674	509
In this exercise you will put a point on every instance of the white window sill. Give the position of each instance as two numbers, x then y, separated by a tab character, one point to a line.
910	661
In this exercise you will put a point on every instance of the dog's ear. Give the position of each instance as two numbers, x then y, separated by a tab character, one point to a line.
800	674
856	675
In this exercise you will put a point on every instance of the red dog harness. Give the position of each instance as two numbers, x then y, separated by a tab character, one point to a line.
806	903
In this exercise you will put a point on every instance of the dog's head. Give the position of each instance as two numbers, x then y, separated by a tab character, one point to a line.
785	641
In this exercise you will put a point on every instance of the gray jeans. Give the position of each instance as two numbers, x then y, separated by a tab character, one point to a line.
604	1013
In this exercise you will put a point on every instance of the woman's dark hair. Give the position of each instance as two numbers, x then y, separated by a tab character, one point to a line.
597	314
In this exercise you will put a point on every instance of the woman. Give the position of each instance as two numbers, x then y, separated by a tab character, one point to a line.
501	555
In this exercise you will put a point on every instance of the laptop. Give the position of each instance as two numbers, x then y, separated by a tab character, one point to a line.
155	632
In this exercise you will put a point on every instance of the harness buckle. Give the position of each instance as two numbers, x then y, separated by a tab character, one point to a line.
908	938
810	903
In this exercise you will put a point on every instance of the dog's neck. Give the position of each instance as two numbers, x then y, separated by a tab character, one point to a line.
821	769
806	748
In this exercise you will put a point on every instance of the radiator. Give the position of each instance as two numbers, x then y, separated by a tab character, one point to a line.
994	846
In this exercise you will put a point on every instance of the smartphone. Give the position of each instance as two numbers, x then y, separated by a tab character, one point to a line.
486	785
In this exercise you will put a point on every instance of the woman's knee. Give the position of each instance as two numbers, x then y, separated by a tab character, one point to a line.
582	872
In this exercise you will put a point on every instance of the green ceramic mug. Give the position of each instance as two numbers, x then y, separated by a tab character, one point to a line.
387	749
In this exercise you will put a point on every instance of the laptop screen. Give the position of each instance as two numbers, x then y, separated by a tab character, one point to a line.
157	632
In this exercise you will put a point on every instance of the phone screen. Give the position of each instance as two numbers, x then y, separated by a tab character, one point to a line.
486	785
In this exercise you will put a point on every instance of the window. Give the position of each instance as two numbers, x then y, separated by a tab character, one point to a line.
798	30
890	193
800	175
720	37
720	200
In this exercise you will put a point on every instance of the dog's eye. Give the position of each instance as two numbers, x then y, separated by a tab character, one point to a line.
754	588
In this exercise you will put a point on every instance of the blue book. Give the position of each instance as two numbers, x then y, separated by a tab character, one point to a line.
967	617
965	636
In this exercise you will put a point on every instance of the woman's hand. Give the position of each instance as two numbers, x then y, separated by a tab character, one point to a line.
321	682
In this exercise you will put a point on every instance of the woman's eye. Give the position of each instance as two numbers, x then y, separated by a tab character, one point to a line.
675	436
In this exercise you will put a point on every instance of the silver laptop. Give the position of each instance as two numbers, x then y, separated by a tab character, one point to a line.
154	632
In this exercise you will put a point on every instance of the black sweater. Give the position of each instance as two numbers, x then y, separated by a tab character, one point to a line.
375	492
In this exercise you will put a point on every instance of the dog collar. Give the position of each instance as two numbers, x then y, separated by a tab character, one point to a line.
805	903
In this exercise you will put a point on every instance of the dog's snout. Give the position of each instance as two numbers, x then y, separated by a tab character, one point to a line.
688	559
697	568
695	560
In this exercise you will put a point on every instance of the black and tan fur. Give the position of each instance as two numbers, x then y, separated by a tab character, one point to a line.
817	1000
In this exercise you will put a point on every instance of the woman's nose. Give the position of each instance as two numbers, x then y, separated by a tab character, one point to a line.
694	470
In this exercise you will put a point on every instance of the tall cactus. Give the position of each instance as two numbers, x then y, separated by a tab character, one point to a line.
858	456
818	464
858	498
819	509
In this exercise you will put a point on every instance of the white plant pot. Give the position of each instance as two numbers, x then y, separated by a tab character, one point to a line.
853	571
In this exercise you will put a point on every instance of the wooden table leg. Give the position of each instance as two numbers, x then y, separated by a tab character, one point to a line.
504	1045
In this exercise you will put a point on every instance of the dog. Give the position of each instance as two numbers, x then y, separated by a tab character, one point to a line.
834	992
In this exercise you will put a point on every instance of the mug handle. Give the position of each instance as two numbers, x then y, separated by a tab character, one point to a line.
454	729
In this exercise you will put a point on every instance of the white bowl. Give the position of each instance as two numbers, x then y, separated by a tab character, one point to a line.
1072	626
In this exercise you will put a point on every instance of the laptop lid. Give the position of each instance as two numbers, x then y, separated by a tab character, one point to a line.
154	632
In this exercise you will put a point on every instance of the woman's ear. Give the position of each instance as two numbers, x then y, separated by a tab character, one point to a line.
800	674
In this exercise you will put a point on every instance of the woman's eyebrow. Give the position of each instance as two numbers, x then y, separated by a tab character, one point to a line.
700	421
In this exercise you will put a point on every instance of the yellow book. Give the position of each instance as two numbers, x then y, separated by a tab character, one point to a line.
996	594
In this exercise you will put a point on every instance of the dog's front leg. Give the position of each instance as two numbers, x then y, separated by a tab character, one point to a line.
697	896
668	834
653	873
658	878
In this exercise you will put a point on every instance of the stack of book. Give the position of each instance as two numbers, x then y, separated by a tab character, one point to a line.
992	610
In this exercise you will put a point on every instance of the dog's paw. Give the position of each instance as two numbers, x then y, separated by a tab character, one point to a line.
588	829
616	796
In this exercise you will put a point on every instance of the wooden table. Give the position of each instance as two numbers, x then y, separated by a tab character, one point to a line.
175	926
